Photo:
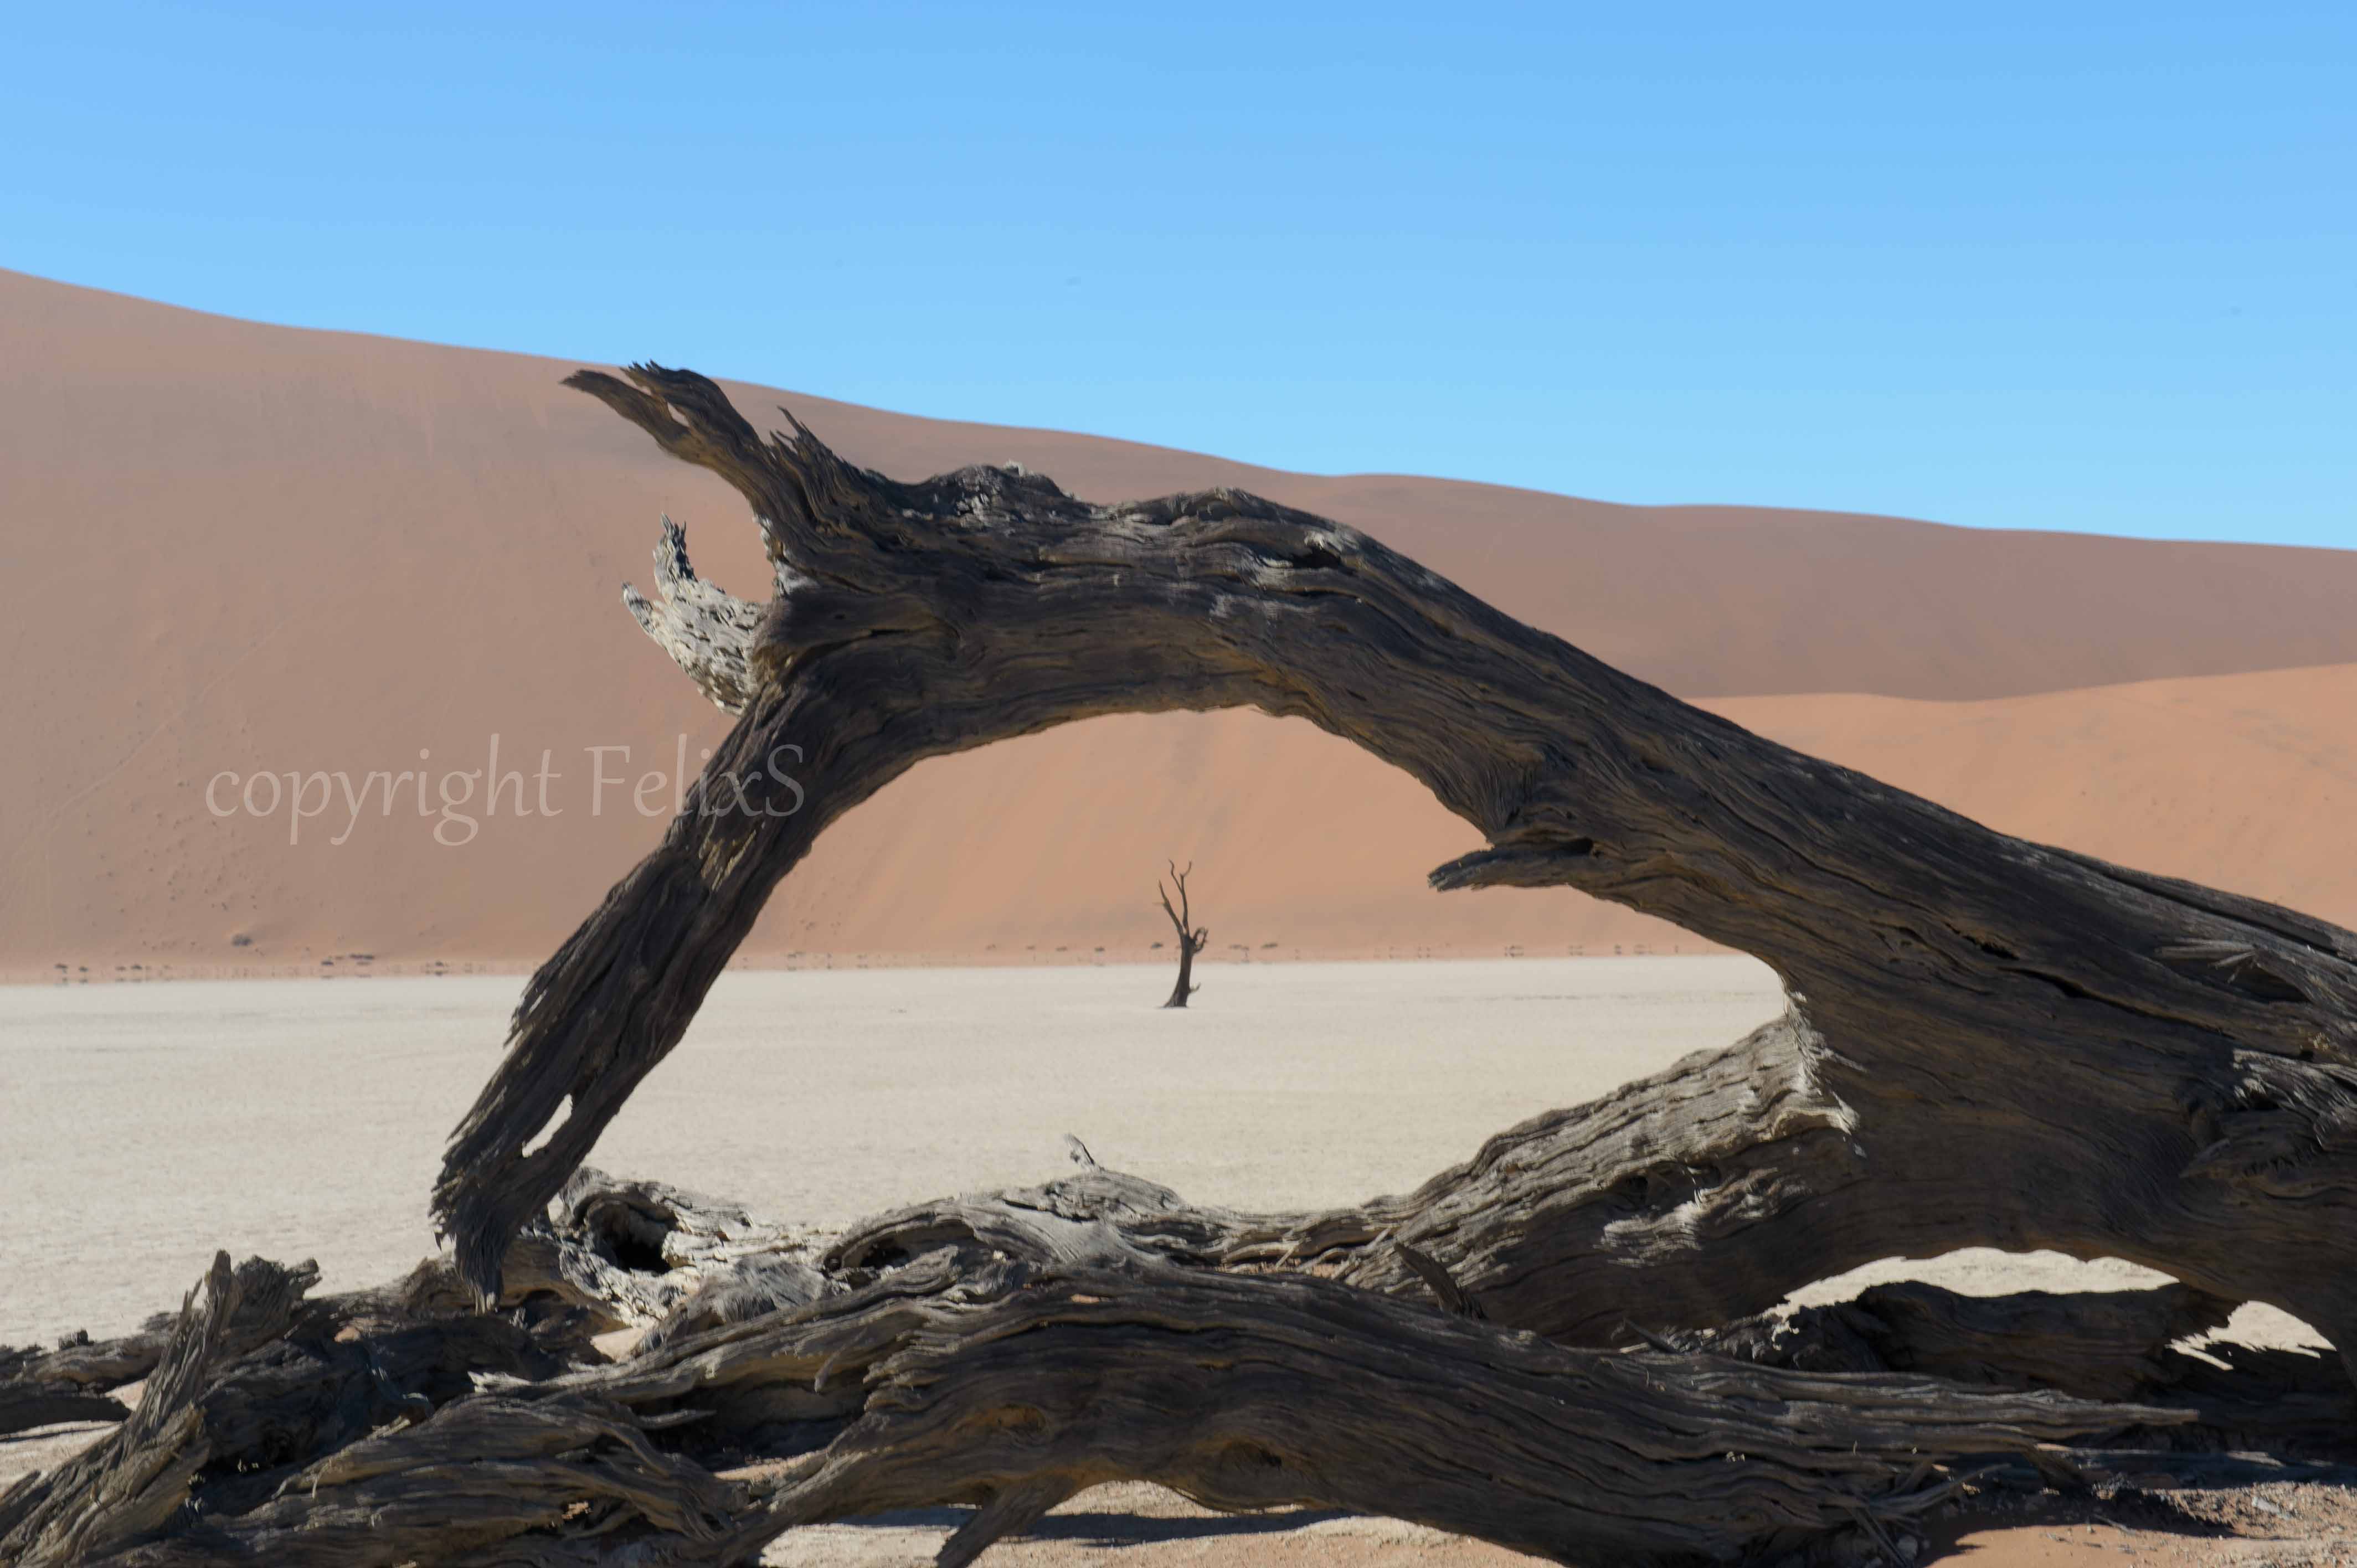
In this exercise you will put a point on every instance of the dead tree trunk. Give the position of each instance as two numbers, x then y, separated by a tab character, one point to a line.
1003	1352
1987	1042
1191	937
1002	1376
1990	1042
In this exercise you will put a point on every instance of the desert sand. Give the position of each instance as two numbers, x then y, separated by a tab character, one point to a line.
148	1125
238	549
143	1125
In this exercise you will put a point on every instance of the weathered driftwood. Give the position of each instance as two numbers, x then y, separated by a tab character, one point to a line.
255	1382
607	1255
73	1381
2140	1345
626	1253
1021	1389
1001	1351
27	1405
2113	1344
1570	1224
1989	1042
132	1482
2119	1346
399	1426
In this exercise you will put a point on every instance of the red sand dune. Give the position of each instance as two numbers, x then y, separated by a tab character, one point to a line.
238	549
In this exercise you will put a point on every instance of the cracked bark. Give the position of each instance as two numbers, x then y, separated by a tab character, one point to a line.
1990	1042
397	1425
1003	1352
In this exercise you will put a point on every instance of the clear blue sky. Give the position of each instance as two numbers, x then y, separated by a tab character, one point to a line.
2086	266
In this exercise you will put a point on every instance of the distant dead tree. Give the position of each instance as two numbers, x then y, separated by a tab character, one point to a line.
1190	938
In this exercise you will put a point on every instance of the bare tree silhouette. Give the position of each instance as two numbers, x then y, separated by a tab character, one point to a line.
1190	938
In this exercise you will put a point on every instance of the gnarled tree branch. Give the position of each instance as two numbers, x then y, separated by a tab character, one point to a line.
1001	1378
1990	1042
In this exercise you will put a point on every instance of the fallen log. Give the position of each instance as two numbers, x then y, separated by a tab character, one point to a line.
2145	1347
2115	1345
1096	1318
72	1382
254	1380
2130	1346
26	1404
609	1255
1990	1042
135	1481
995	1384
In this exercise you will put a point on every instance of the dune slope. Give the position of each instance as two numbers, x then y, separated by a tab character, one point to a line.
240	550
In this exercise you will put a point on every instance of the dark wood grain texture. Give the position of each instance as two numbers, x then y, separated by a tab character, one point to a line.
402	1425
1554	1345
1989	1042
